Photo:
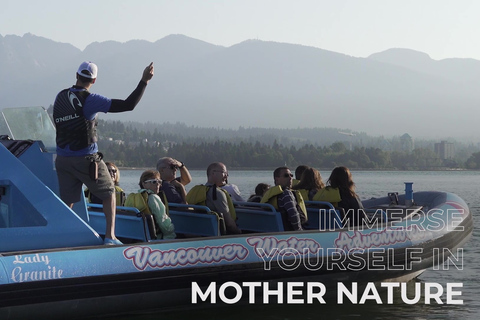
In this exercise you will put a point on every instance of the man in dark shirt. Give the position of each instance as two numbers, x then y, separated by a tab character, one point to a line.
286	201
173	187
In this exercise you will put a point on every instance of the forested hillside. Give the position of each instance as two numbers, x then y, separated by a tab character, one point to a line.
140	145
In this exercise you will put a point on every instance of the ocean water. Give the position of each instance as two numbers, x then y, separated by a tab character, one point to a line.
369	184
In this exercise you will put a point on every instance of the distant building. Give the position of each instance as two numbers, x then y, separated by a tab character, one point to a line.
407	143
445	150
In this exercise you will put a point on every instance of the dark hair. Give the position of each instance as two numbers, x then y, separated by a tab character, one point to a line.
148	174
277	171
310	180
341	178
261	188
84	79
299	170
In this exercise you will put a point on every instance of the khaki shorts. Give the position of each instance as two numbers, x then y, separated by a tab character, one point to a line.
73	172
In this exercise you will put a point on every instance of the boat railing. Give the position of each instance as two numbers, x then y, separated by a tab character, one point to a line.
133	225
194	220
258	217
323	215
130	223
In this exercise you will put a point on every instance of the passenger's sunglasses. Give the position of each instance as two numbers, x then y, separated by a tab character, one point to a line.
288	175
153	181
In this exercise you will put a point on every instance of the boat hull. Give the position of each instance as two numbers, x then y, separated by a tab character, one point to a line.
120	284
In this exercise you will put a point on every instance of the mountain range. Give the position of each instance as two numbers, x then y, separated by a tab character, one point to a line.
256	84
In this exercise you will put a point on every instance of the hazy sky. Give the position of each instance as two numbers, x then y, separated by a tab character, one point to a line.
440	28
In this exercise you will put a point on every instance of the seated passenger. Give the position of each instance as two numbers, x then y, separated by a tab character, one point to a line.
148	201
341	178
213	196
298	174
173	187
260	190
289	203
119	193
312	188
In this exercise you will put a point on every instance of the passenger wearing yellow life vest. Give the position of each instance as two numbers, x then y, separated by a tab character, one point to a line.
148	201
119	193
289	203
213	196
312	188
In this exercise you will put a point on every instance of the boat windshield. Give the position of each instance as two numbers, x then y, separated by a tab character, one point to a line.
32	123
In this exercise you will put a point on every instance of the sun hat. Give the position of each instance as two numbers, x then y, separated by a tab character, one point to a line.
88	69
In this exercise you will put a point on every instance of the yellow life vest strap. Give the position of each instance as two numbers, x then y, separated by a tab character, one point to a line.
271	197
328	194
198	195
139	201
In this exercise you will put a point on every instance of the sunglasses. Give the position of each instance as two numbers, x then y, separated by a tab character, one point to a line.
222	172
112	170
153	181
288	175
173	167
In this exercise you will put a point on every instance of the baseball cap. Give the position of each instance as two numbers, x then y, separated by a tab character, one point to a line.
88	69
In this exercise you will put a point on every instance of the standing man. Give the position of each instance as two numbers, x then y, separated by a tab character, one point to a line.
289	203
173	187
78	161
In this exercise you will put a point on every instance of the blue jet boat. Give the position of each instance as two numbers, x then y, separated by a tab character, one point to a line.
53	262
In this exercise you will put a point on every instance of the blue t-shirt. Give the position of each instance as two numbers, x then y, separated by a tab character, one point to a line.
93	104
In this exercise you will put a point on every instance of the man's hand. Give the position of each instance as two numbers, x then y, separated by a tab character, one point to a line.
176	163
148	73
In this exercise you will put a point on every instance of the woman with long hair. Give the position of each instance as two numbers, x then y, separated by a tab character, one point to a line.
115	174
312	188
119	193
341	178
311	182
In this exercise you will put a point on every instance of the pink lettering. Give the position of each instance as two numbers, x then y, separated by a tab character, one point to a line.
143	257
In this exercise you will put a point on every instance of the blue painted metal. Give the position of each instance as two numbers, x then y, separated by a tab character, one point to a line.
194	220
322	216
258	217
129	222
32	215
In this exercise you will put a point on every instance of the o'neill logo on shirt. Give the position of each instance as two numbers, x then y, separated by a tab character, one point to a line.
66	118
74	101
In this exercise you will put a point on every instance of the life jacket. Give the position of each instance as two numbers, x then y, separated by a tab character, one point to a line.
138	200
198	195
163	197
72	128
327	194
272	194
